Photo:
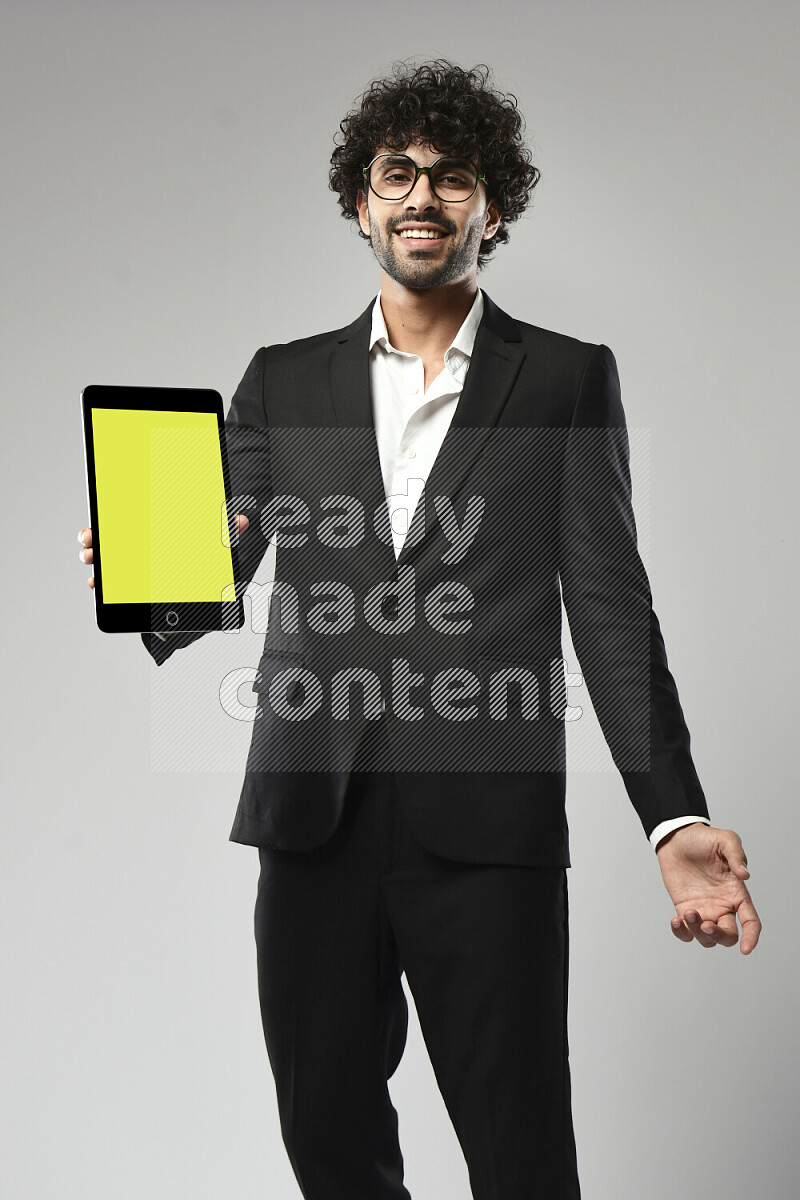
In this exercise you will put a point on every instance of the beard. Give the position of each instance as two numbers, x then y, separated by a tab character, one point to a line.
425	269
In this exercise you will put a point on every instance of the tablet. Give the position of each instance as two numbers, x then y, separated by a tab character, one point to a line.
158	490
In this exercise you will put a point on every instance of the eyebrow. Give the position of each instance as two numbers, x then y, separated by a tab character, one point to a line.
396	158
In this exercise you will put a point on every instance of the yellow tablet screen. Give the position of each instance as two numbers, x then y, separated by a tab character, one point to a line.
161	513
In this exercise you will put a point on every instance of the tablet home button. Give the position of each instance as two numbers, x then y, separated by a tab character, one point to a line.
172	618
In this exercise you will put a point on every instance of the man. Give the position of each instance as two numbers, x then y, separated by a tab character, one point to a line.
423	830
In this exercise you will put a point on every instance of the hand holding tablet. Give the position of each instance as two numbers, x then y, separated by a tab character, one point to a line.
162	540
85	539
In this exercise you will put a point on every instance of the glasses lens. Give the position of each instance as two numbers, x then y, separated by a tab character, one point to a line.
392	177
454	178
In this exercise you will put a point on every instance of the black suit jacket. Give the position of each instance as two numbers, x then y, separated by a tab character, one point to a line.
534	469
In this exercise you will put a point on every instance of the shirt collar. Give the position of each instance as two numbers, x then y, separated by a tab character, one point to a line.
462	343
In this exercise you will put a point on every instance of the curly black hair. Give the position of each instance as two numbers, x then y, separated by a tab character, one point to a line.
452	109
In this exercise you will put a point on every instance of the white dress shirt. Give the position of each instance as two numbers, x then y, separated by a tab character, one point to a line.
410	425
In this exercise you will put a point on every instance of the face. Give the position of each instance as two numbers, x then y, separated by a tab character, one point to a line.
431	263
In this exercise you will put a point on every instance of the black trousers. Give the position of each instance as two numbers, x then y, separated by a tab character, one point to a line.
485	951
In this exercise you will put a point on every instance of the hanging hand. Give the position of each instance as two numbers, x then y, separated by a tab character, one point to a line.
704	870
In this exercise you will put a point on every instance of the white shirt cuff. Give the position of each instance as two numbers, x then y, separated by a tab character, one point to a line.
666	827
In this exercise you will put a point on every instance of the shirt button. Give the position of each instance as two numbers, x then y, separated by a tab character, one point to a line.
410	452
414	390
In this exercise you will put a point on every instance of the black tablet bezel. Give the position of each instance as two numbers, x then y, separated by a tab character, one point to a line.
157	618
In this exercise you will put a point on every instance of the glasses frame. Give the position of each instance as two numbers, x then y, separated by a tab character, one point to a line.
366	172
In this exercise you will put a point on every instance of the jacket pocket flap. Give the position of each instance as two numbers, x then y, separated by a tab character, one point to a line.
272	662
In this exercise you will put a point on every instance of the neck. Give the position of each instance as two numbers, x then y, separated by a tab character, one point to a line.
425	321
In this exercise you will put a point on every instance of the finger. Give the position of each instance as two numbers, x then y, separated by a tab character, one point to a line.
751	924
722	932
242	522
693	921
735	855
90	581
85	537
85	555
680	930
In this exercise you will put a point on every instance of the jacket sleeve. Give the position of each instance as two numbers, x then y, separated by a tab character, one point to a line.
247	443
606	593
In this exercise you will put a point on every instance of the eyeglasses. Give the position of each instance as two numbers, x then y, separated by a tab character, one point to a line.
394	176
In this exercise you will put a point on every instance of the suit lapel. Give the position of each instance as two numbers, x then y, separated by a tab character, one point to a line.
350	393
496	359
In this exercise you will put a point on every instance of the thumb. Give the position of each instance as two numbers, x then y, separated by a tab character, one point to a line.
736	857
242	522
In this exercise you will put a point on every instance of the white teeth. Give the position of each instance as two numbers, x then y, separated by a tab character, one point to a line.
420	233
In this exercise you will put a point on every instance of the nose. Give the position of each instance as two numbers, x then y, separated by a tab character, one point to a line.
423	192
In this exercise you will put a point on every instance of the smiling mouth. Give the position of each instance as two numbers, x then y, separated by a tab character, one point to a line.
428	237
